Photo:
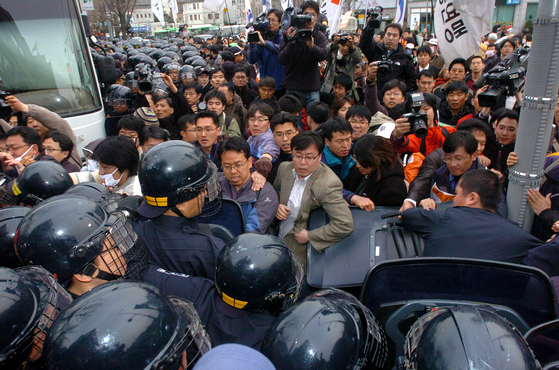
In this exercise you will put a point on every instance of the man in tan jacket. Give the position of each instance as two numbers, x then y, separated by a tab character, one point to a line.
306	184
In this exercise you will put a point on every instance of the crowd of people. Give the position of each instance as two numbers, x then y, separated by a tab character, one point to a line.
114	266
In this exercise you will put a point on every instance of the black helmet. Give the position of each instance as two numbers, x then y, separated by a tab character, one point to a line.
191	59
173	48
169	67
7	198
466	337
329	329
30	300
174	172
130	81
119	95
125	325
139	58
163	61
160	89
186	72
66	233
97	193
188	47
172	55
188	54
257	272
9	220
156	54
39	181
199	63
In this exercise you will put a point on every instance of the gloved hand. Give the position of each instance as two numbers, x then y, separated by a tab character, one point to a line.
263	166
130	205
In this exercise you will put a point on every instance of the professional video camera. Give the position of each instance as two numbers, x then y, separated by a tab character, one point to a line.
5	110
298	21
375	15
417	118
260	24
344	38
384	67
144	76
505	79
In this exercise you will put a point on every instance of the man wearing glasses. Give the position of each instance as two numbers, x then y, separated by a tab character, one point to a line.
265	51
306	184
259	207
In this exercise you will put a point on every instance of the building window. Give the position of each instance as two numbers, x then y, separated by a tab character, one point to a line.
190	17
209	16
217	16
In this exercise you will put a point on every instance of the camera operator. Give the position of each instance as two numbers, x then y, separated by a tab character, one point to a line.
389	50
301	57
265	52
342	57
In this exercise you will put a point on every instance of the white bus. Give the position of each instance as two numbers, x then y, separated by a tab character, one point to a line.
45	60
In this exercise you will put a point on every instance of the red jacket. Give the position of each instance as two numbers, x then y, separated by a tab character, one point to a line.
410	143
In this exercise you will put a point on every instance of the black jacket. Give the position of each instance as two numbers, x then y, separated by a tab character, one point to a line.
403	68
446	117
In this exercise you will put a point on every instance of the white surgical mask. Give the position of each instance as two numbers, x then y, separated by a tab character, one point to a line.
18	159
432	49
109	181
92	165
490	53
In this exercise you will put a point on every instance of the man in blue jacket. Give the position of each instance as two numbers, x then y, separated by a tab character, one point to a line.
265	51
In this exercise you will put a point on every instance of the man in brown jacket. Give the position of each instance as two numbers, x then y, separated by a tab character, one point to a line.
306	184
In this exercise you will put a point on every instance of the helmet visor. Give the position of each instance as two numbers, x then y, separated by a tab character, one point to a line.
211	203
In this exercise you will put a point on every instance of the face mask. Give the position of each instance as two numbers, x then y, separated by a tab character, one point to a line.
92	165
109	181
432	49
490	53
18	159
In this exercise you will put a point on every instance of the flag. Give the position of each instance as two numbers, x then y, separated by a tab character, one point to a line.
217	6
264	5
248	11
333	10
345	19
174	9
400	12
459	25
157	9
286	4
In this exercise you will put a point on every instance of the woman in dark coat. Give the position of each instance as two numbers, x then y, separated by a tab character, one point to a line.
378	173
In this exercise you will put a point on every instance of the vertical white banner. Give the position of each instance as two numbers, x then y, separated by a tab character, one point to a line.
174	9
400	12
459	32
157	9
333	10
286	4
216	6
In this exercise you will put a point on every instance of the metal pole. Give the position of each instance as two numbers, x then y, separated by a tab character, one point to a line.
534	128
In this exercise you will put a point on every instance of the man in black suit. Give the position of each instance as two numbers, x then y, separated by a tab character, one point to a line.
423	58
472	228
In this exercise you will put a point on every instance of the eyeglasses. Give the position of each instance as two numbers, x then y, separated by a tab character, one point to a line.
236	166
191	130
458	160
51	150
14	148
206	130
259	119
393	94
271	20
287	134
240	77
299	158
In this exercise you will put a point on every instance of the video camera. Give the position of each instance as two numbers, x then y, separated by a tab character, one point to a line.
384	67
375	15
144	76
5	110
298	21
260	24
505	79
417	118
344	38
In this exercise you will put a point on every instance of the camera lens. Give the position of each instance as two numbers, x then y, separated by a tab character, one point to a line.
202	106
420	128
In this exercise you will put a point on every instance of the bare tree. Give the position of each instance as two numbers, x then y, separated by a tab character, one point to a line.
123	10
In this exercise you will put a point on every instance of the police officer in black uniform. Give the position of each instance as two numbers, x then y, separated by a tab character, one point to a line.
176	179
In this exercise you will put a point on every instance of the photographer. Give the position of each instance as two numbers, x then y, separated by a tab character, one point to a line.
391	53
265	52
342	57
301	57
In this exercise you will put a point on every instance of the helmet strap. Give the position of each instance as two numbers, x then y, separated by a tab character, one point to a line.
90	269
177	211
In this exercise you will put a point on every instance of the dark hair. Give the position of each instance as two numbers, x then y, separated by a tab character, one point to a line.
427	73
359	110
267	81
460	139
214	49
432	101
28	135
241	69
304	140
130	122
227	56
424	49
215	93
277	12
505	113
394	25
64	142
289	103
338	103
505	41
335	124
184	120
485	184
120	152
528	37
157	99
472	124
392	84
460	61
475	57
208	114
230	87
372	151
155	132
218	69
263	108
381	33
344	80
311	4
457	86
318	111
283	117
193	85
234	144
